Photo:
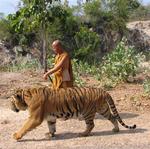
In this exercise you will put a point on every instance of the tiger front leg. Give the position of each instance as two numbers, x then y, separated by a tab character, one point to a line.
28	126
51	122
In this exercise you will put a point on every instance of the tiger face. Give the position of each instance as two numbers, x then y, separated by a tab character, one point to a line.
17	102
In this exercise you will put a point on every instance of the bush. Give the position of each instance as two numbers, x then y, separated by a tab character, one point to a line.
83	69
120	64
146	86
22	64
87	43
77	73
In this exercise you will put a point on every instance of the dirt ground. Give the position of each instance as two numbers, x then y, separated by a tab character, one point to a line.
130	102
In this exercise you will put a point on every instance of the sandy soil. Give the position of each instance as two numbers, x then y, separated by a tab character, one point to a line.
129	101
66	136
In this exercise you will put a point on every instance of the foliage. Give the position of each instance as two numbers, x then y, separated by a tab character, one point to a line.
120	64
108	18
83	69
77	74
64	29
142	13
7	33
87	43
40	13
93	11
51	61
112	12
123	8
146	86
4	28
44	21
21	64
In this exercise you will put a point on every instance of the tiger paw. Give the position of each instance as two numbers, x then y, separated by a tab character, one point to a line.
17	136
115	130
49	135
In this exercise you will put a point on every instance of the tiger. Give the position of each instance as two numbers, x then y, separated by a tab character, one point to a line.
44	103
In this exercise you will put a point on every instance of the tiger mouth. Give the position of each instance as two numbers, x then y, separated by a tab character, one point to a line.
15	109
13	106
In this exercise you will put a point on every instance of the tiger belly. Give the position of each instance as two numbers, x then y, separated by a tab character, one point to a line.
66	116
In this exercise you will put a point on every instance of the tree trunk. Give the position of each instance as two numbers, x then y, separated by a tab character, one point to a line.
44	48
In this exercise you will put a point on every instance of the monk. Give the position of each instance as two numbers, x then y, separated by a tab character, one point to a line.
63	75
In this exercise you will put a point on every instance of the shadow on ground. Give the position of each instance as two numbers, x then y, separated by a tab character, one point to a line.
122	115
69	135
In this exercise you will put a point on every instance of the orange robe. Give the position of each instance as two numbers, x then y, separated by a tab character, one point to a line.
64	76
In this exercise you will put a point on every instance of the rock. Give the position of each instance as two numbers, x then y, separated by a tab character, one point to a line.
138	39
130	79
19	51
6	56
138	35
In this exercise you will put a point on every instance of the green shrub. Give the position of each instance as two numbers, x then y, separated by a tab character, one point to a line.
83	69
22	64
77	73
87	43
146	86
120	64
51	61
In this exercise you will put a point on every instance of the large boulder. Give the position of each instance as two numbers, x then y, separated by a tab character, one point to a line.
138	35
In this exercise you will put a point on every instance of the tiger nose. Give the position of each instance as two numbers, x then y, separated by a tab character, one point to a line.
16	110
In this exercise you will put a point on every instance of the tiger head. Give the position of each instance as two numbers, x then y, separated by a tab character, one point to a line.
17	102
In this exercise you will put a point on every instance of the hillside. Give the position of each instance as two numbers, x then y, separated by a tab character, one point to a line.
140	25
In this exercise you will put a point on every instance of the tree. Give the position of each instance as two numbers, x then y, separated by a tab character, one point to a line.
1	15
87	43
4	27
142	13
66	3
37	14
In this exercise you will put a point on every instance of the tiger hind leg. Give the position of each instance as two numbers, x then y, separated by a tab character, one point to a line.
51	122
114	122
107	114
89	120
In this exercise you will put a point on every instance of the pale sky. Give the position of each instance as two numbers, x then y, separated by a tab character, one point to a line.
10	6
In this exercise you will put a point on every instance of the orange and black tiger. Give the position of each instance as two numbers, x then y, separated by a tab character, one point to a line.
45	103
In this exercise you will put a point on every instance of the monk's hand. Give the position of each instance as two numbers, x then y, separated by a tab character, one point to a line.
45	76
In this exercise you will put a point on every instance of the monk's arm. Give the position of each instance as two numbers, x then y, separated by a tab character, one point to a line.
57	67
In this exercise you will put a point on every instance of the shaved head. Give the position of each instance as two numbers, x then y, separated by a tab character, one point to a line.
57	46
56	43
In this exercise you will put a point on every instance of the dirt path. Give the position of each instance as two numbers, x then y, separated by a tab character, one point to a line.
66	137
